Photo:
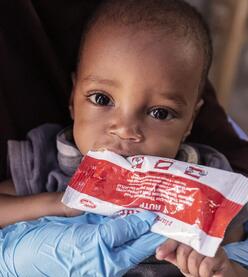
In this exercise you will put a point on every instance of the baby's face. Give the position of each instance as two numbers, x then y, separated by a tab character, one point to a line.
135	92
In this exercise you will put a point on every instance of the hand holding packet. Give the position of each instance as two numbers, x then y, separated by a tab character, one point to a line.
194	203
74	246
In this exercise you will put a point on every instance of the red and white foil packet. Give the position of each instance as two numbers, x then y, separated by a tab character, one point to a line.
194	203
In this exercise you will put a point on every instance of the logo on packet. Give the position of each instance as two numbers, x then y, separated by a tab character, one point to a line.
163	164
87	203
137	162
195	172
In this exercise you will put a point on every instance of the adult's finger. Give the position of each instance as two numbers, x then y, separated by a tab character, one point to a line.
141	248
117	232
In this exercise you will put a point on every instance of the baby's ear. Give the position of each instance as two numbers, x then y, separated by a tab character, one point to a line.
197	108
73	78
71	109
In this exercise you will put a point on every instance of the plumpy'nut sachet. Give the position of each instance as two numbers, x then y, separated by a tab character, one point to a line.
194	203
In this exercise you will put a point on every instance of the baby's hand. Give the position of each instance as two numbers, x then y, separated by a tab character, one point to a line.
64	210
71	212
193	264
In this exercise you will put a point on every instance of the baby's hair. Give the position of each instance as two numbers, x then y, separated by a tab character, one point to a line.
174	17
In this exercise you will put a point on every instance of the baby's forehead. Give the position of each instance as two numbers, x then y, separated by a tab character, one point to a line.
160	62
178	55
174	17
139	42
139	37
171	17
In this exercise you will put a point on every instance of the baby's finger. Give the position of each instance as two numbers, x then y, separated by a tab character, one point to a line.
194	261
166	249
210	266
183	252
171	258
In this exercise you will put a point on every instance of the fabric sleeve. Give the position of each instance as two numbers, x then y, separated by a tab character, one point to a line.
33	162
238	252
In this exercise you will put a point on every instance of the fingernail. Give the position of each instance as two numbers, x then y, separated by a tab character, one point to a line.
158	249
159	255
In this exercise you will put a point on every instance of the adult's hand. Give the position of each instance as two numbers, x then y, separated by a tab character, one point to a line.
86	245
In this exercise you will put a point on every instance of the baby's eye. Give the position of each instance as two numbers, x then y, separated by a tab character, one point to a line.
161	114
101	99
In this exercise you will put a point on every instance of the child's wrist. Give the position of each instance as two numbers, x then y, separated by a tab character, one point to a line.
57	207
63	210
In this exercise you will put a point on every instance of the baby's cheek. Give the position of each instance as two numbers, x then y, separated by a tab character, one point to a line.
167	148
82	141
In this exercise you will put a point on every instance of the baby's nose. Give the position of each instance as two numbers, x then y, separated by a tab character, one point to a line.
126	129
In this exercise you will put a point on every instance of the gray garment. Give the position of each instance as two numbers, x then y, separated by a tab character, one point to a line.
33	162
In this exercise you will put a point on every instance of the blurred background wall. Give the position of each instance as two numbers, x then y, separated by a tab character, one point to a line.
228	22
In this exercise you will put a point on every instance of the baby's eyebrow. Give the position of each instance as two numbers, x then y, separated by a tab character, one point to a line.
98	80
174	96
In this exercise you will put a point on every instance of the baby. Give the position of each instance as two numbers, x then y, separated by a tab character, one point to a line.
137	90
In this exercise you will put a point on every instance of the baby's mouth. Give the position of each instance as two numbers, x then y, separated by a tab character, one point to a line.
118	151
